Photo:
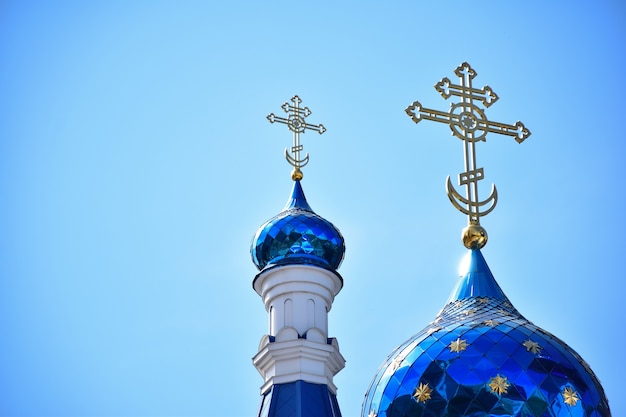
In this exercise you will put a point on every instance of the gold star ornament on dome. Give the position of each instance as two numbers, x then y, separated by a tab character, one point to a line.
432	330
422	393
458	345
395	364
570	396
503	312
499	384
532	347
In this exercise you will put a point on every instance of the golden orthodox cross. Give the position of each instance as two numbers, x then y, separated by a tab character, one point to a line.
296	123
469	123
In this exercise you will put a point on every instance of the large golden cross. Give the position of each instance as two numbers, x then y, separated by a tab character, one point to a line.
469	123
296	123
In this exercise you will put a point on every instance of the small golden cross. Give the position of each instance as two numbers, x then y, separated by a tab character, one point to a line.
296	123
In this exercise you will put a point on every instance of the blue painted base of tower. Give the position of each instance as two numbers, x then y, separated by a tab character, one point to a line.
299	399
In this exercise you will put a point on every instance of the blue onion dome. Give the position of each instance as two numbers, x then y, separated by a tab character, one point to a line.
480	357
298	236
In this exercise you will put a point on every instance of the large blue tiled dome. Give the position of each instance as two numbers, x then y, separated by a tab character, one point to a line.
480	357
298	236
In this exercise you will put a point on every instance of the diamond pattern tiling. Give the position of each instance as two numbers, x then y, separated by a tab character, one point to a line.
531	383
295	231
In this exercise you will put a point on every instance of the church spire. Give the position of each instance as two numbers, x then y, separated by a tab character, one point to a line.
298	253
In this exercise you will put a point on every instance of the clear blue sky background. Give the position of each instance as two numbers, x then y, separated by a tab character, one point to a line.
136	163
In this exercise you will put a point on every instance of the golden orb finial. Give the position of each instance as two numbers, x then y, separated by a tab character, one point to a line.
474	236
296	174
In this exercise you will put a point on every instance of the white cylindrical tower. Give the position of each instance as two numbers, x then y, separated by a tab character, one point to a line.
298	253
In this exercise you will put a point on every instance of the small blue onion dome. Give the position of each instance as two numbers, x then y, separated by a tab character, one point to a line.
298	236
480	357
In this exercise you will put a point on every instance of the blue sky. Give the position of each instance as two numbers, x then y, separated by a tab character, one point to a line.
136	163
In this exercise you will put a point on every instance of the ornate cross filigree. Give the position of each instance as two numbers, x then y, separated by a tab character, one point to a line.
296	123
469	123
